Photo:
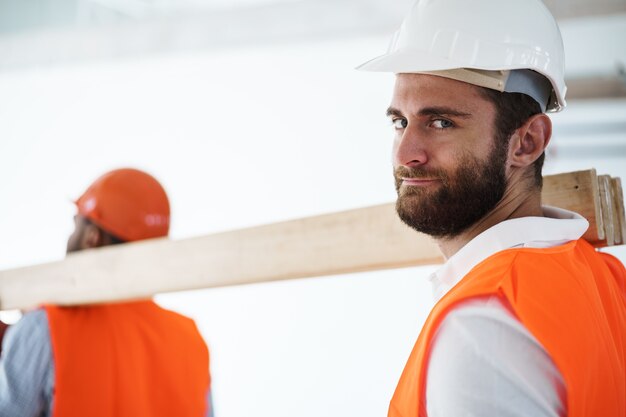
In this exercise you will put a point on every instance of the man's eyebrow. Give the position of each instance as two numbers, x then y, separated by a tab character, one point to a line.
392	111
432	111
443	111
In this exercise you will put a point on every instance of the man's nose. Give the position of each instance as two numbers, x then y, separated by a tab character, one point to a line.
409	149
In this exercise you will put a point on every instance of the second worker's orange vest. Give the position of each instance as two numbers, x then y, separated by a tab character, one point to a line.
127	360
571	298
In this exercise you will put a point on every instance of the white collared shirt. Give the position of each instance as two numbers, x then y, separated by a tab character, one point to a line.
483	361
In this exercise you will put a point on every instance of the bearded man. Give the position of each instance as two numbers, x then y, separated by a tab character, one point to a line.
530	318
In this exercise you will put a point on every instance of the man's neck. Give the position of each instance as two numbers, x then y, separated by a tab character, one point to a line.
512	205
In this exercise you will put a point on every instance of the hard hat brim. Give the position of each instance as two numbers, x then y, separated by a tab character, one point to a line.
403	62
407	62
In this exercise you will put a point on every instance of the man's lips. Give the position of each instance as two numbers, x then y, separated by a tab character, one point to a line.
418	182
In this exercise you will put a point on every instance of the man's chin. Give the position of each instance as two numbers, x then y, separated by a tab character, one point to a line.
413	193
436	229
435	221
413	198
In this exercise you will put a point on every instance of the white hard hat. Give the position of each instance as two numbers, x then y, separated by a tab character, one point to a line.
493	39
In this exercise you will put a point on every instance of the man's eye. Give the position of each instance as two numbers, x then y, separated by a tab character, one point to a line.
442	124
399	123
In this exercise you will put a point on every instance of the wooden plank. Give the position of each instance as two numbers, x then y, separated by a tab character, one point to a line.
357	240
364	239
618	209
606	208
579	192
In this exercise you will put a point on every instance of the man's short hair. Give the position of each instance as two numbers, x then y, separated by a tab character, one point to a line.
512	110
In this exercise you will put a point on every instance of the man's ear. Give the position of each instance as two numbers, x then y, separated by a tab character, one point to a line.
93	237
530	140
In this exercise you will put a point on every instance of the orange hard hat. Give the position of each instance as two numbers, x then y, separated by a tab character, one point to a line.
127	203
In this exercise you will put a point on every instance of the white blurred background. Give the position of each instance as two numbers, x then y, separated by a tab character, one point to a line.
250	112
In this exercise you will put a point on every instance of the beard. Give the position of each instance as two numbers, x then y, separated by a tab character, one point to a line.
462	198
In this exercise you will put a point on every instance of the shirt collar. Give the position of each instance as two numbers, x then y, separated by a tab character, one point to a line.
557	227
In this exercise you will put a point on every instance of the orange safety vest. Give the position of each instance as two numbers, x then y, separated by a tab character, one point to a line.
130	359
571	298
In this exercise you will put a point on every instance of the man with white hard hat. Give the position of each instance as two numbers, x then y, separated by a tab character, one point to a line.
530	319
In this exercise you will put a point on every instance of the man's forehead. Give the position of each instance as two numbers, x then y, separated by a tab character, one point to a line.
413	92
